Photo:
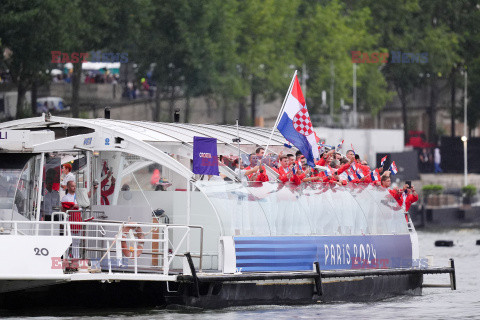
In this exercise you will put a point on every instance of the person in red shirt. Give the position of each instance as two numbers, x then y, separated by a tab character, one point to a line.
285	172
291	159
325	158
409	196
262	175
350	154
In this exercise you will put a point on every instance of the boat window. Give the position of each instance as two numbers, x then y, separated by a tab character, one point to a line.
24	193
15	177
275	209
51	186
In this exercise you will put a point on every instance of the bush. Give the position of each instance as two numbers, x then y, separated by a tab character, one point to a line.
469	190
429	189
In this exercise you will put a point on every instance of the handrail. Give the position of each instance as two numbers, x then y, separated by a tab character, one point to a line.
111	240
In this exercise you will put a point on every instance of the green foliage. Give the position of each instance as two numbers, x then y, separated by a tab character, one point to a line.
432	189
469	190
84	115
29	31
330	33
235	51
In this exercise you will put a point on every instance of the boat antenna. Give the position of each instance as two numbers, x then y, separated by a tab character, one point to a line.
237	140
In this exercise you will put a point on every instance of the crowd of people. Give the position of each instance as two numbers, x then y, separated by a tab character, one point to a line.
332	167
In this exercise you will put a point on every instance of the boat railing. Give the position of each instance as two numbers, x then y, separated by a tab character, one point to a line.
118	246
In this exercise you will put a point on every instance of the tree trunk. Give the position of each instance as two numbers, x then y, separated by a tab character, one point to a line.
253	106
432	113
171	104
403	101
21	90
187	109
158	106
208	102
224	110
453	89
242	112
34	96
76	77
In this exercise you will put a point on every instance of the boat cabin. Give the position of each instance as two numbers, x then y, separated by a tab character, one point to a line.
140	208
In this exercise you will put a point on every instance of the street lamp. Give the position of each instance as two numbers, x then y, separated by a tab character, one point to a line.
355	115
465	168
464	137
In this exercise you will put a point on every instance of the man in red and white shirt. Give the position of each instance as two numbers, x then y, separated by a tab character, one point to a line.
69	202
285	170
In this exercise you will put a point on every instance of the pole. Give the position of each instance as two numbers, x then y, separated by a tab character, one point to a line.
189	189
355	116
281	111
238	147
332	86
465	153
304	79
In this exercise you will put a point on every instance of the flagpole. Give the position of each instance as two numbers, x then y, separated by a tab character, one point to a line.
281	111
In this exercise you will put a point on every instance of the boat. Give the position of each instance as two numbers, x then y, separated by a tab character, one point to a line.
150	233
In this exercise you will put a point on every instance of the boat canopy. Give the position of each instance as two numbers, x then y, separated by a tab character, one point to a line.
167	139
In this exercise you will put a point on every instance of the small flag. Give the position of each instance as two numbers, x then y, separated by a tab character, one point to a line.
383	161
339	147
287	145
350	175
328	172
374	175
359	174
354	166
393	168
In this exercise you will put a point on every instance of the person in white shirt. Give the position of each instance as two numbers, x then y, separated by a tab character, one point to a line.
68	175
437	160
69	202
71	196
242	173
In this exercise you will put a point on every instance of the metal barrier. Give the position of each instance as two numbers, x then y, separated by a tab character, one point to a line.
116	246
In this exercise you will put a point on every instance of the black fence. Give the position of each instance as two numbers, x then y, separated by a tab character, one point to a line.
406	162
451	151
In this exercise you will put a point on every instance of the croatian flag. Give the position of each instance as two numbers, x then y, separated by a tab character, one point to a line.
295	124
350	174
339	147
374	175
328	172
353	166
383	161
359	174
393	168
357	171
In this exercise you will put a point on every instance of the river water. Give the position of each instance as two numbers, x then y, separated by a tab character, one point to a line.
435	303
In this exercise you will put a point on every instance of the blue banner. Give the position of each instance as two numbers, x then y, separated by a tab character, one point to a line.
205	159
257	254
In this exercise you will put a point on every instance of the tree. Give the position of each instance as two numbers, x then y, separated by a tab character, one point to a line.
29	29
266	49
330	33
442	44
99	25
